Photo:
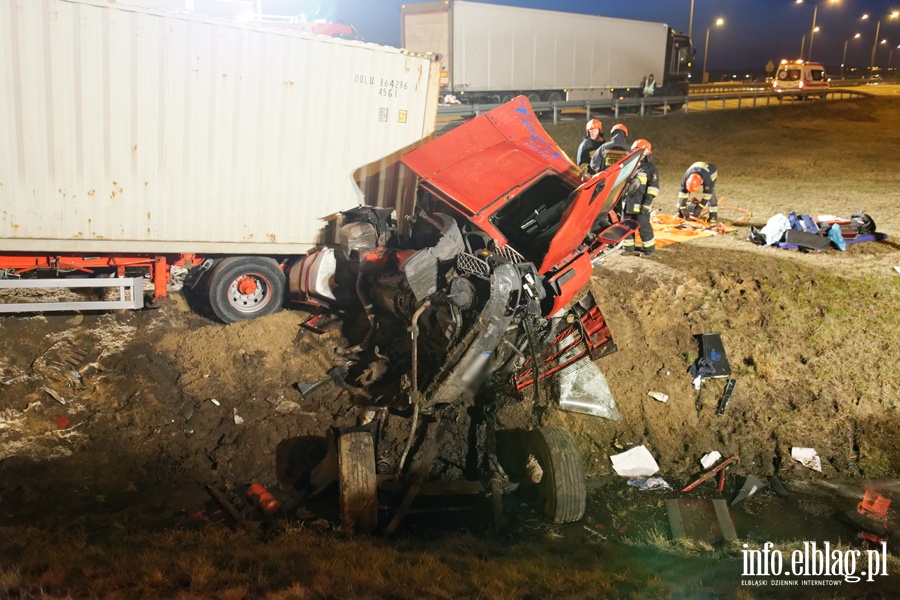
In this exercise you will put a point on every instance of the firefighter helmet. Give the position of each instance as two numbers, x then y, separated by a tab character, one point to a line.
643	145
619	127
694	182
593	124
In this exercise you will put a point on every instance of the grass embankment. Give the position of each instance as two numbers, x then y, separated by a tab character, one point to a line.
297	563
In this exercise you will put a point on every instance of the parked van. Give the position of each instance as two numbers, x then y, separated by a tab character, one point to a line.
799	76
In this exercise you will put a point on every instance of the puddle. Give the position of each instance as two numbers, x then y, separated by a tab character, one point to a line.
814	510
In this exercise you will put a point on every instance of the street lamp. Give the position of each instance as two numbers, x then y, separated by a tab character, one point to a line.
893	15
691	21
813	29
719	23
844	60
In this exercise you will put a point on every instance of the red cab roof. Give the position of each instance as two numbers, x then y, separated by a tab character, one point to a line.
485	159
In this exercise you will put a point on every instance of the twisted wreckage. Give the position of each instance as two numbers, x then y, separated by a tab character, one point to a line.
475	305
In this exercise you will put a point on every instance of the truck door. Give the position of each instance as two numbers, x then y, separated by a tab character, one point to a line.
598	195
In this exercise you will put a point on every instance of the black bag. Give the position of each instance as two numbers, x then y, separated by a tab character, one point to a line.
863	223
809	241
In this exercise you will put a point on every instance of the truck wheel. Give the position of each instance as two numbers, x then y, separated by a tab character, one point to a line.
533	97
555	97
561	491
245	287
357	482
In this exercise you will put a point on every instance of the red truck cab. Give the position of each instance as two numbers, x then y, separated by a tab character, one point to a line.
506	177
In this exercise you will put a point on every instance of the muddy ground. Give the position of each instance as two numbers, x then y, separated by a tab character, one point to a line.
122	419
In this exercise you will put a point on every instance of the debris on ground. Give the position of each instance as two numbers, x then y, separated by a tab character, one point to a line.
778	487
750	487
659	396
718	469
586	391
649	483
710	458
637	462
807	457
53	394
815	233
701	519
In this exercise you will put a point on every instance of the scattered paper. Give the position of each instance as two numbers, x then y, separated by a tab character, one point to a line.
710	458
659	396
808	458
897	269
637	462
237	418
652	483
214	401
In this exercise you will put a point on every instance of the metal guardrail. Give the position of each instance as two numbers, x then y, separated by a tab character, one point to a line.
133	300
656	106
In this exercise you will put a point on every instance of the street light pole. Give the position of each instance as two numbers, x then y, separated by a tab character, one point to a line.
893	15
844	60
802	46
874	47
855	37
691	22
705	56
719	22
812	31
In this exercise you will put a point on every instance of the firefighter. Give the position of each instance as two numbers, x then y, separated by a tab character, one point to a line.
593	139
638	200
613	150
699	180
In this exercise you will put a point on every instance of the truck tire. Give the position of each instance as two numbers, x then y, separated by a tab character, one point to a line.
240	288
561	491
555	97
357	482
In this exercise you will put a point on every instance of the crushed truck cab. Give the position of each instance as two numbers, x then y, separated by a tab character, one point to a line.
484	288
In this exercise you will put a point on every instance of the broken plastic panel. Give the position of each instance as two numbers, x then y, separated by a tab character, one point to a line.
586	391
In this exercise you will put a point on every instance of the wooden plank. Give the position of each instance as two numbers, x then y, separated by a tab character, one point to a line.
675	521
726	525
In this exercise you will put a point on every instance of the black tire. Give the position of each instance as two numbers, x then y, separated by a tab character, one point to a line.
240	288
533	97
507	97
357	482
561	492
555	97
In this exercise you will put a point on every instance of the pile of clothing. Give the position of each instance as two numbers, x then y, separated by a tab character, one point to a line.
821	232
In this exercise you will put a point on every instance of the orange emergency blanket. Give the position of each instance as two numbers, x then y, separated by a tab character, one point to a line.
670	229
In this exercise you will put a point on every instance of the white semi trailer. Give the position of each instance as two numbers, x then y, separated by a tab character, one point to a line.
138	139
491	53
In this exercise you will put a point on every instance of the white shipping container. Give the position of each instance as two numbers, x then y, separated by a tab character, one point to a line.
128	130
496	48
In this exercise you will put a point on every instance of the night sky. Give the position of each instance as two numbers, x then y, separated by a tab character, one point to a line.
755	31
